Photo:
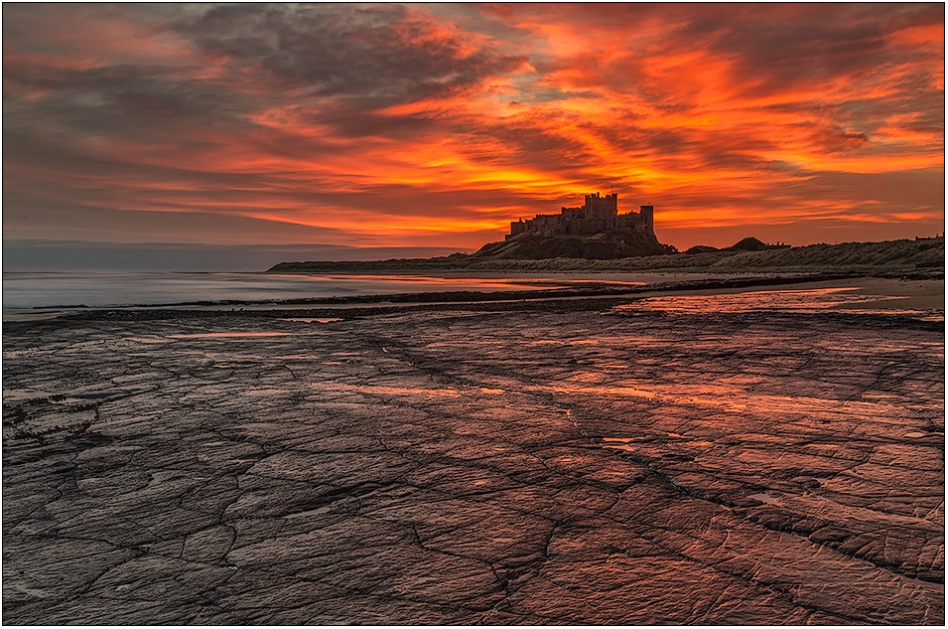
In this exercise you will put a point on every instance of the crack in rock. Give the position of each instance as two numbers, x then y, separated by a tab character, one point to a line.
462	467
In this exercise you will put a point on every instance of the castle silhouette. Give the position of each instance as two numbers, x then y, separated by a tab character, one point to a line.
598	214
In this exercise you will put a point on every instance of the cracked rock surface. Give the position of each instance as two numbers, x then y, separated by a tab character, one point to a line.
464	466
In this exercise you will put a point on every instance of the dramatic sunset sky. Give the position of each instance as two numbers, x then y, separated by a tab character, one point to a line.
436	125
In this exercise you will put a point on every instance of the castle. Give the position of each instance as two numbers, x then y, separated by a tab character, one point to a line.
599	214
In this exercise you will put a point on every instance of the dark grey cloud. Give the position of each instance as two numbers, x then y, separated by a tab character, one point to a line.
328	65
376	55
251	108
123	102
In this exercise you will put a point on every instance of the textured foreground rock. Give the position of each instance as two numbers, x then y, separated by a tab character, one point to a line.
475	467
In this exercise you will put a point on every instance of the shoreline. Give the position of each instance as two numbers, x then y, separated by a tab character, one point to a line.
892	255
927	292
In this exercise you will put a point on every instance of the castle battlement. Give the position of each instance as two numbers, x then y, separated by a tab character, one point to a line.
598	214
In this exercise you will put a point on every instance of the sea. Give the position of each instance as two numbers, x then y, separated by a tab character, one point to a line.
32	290
31	293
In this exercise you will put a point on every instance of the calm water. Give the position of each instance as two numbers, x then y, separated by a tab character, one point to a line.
27	290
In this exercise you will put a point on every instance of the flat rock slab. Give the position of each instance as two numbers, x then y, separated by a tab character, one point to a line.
462	466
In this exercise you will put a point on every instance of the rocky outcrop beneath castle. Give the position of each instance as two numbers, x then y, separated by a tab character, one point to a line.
602	246
595	231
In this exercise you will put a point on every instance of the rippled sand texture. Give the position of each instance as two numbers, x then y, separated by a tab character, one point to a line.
464	467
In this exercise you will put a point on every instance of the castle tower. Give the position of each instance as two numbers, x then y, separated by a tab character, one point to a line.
602	207
647	213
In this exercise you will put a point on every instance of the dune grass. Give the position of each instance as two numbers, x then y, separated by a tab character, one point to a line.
893	255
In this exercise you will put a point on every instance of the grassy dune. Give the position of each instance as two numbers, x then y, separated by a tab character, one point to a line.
891	255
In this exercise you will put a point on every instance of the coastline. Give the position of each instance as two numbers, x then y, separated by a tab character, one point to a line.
915	290
894	255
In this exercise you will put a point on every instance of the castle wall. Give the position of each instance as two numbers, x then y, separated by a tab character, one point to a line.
517	228
599	214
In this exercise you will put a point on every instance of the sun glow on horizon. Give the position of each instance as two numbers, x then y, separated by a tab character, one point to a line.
450	121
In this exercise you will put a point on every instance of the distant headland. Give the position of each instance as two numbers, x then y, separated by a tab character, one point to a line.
596	237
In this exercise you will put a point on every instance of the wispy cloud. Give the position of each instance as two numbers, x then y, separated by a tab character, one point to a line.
420	124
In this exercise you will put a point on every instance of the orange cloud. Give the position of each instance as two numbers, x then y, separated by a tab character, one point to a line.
384	121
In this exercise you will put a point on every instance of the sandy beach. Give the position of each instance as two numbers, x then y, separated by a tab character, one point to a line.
598	460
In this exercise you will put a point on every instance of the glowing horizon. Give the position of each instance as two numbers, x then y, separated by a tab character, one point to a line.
421	125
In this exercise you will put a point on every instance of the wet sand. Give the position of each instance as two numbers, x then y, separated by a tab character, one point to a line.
565	462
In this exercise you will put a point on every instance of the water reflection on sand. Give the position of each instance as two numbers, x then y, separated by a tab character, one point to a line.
28	290
750	301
